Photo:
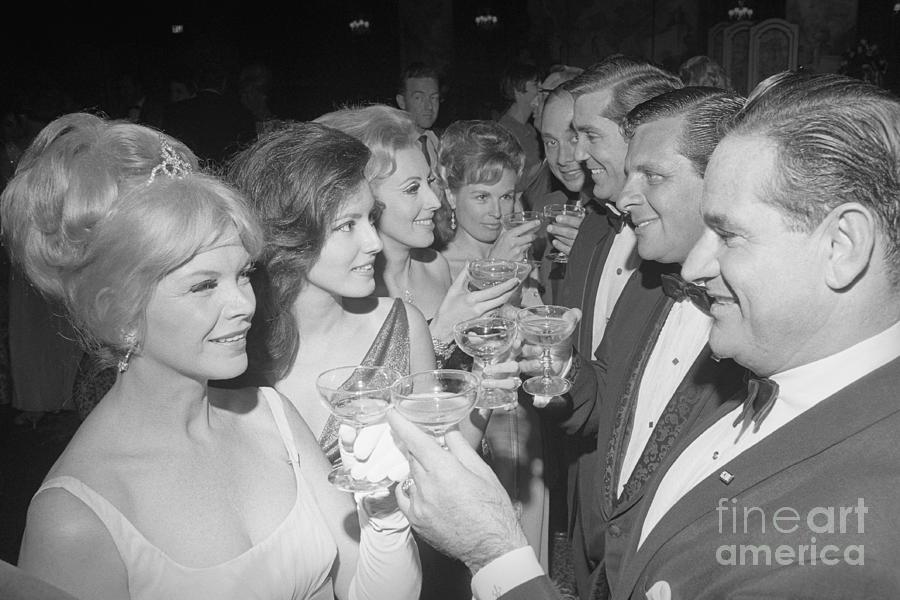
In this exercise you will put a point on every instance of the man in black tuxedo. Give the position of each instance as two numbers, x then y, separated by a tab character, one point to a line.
790	490
602	257
601	250
656	371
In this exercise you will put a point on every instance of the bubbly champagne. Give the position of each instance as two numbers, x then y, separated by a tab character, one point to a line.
434	411
546	331
485	342
360	410
485	274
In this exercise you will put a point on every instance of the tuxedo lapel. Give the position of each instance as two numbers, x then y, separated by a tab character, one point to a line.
598	257
826	424
702	385
624	416
634	561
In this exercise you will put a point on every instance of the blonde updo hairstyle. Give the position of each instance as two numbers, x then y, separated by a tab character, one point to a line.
383	129
90	227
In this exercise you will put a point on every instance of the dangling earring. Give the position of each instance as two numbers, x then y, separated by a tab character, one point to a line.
453	219
131	345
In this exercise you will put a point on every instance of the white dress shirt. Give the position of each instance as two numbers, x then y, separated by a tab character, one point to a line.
682	337
621	262
800	389
504	573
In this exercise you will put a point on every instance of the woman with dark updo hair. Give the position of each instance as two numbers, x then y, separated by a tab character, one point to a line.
306	183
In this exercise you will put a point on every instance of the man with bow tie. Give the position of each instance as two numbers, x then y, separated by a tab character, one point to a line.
660	376
601	257
792	493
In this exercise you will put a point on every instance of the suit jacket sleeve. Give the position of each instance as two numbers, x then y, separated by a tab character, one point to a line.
588	382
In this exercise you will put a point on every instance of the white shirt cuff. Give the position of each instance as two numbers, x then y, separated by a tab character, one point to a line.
506	572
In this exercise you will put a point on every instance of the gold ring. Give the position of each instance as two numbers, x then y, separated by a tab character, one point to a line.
407	483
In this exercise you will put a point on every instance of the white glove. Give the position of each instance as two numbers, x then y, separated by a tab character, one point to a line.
374	455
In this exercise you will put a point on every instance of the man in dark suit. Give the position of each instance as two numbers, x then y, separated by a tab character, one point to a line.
659	375
214	124
791	492
602	257
419	94
561	179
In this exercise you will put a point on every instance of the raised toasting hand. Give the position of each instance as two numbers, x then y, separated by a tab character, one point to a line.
453	499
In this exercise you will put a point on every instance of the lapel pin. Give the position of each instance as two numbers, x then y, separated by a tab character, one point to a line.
726	477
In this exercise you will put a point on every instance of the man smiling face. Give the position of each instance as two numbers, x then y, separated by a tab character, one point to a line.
600	144
662	192
766	279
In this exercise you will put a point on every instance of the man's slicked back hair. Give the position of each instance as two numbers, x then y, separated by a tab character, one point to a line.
628	80
704	109
837	140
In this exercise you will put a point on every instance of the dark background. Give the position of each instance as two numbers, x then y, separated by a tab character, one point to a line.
319	64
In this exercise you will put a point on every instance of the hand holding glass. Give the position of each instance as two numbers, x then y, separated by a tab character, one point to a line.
485	340
515	219
358	396
551	211
436	400
488	272
545	326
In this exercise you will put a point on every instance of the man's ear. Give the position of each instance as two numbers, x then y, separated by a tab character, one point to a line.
851	232
401	101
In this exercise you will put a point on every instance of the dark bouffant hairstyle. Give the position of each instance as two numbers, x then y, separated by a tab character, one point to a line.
296	178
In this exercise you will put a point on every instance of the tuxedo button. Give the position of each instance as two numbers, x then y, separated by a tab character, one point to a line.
615	530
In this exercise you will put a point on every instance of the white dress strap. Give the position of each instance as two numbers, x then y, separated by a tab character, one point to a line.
276	407
124	534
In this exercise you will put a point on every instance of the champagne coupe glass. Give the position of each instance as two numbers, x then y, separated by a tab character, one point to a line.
486	339
358	396
487	272
514	219
436	400
546	325
551	211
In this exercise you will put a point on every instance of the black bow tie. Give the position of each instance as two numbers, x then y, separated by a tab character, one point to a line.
761	396
617	220
674	286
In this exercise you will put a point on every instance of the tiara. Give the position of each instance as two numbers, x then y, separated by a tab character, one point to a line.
172	165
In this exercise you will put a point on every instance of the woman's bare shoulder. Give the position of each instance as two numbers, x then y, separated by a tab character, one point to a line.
433	262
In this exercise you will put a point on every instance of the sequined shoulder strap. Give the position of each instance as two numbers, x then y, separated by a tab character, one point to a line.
391	346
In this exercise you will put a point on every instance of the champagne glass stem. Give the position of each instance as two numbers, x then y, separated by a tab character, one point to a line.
546	363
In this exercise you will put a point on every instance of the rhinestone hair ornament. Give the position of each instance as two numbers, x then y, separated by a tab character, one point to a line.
172	165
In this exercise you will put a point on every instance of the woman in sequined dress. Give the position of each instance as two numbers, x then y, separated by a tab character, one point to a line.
306	183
